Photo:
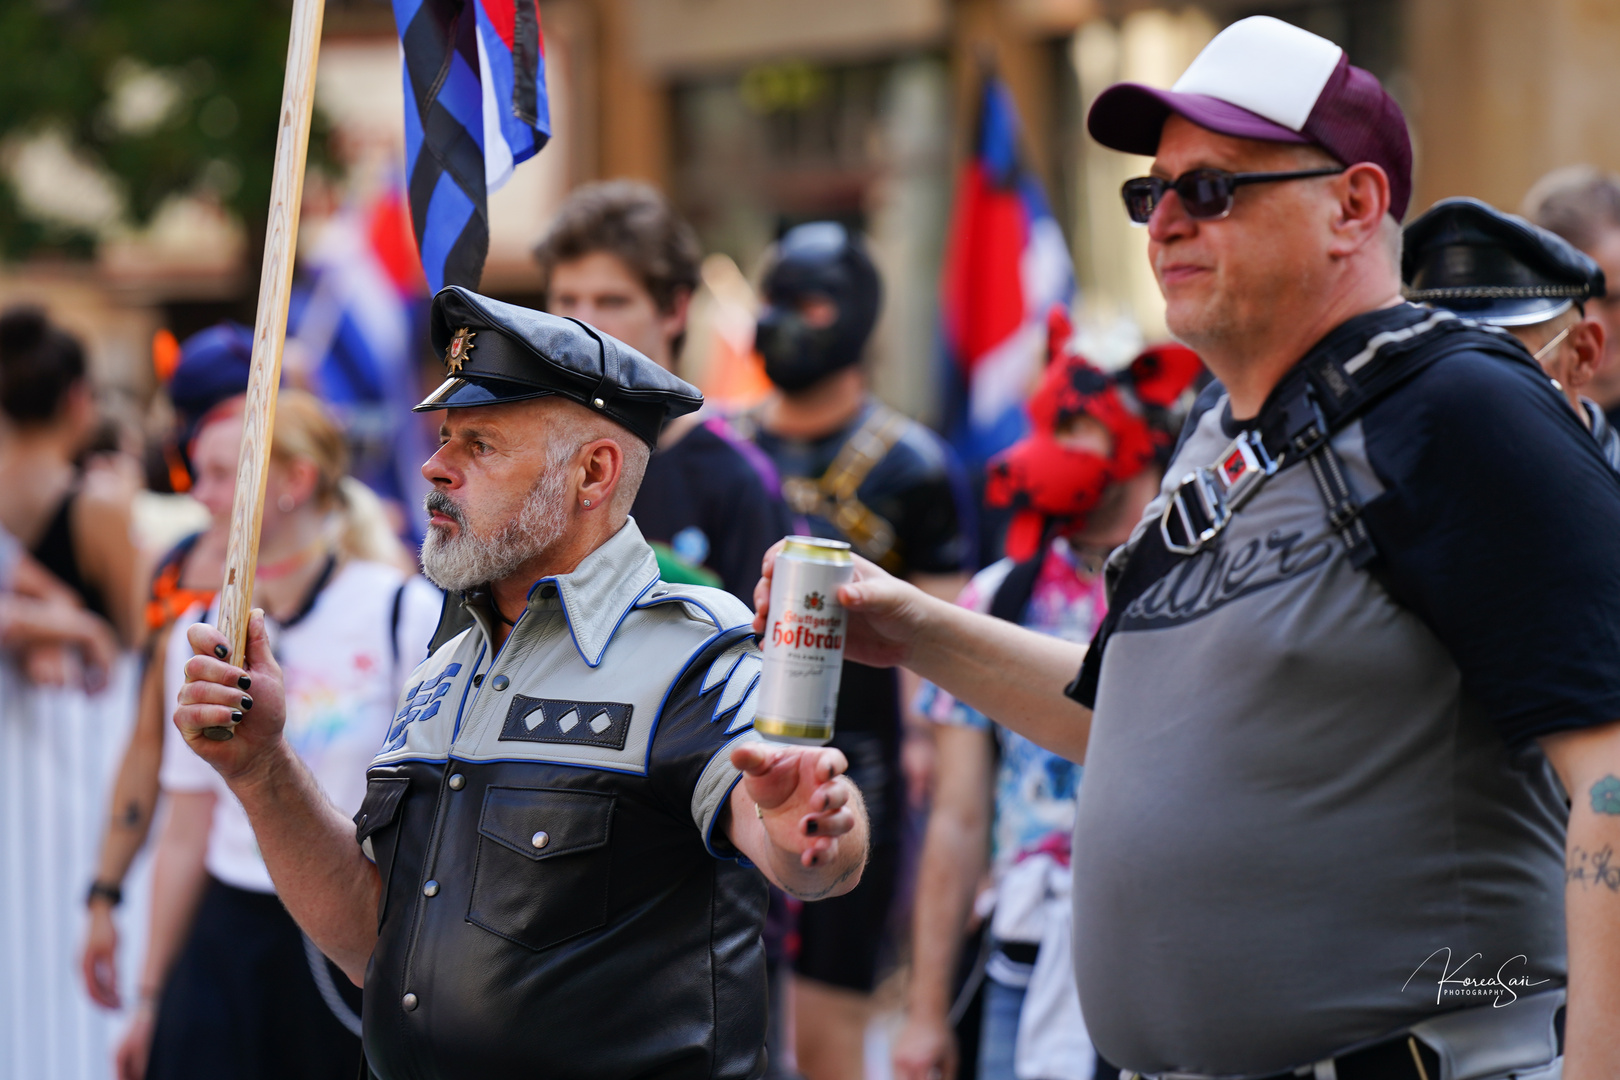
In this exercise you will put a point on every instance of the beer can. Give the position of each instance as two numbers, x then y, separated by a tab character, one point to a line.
804	642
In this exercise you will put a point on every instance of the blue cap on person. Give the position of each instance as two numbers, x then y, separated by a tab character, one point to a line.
1262	78
496	352
213	366
1498	268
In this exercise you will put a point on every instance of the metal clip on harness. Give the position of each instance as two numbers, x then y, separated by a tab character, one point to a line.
1221	490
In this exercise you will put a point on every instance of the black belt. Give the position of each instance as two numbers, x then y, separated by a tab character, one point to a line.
1400	1057
1404	1057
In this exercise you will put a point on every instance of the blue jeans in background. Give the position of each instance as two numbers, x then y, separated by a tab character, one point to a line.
998	1037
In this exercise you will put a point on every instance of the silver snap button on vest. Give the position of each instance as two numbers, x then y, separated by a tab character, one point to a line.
540	839
409	1001
431	889
500	682
457	781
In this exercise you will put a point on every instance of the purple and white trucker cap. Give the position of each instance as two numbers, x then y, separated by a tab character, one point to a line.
1262	78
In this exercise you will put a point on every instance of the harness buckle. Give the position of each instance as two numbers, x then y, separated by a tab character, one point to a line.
1221	489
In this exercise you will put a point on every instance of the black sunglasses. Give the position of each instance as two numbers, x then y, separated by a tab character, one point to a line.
1206	194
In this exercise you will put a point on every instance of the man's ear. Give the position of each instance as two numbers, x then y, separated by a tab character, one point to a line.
1363	191
1586	346
604	466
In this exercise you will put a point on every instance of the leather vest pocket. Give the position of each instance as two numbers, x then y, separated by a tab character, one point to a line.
543	864
374	822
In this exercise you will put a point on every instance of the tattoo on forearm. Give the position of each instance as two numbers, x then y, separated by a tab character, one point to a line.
849	872
132	816
1593	868
1606	795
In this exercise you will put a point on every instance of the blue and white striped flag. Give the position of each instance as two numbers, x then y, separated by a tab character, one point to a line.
475	106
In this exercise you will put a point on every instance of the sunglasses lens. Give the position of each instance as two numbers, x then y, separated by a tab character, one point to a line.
1205	193
1141	196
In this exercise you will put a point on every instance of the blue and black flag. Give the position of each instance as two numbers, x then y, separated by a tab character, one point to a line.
475	106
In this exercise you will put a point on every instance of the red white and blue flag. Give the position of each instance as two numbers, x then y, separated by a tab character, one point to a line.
1006	264
475	106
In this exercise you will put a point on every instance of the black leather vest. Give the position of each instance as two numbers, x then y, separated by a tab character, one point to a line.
547	838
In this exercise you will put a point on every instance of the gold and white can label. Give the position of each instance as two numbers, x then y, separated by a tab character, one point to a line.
804	642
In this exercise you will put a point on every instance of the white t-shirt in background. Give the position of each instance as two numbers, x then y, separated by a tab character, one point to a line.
341	683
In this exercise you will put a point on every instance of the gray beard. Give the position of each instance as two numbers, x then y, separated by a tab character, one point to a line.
467	560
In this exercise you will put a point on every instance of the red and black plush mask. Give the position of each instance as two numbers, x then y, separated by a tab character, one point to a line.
1047	482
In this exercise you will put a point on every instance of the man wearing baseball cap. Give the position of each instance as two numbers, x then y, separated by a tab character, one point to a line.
1324	829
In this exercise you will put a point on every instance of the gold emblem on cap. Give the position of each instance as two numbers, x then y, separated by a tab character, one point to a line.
455	354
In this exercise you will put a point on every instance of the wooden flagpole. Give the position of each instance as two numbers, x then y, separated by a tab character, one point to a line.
269	329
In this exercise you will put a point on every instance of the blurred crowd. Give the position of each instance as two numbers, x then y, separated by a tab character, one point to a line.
966	896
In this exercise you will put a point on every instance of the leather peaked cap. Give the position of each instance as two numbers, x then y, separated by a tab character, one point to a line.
1472	258
499	352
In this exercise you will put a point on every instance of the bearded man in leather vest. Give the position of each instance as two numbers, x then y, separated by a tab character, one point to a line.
564	846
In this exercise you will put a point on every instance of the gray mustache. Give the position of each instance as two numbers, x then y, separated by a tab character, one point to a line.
439	502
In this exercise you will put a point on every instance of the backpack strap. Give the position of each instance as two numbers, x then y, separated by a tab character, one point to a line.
1013	594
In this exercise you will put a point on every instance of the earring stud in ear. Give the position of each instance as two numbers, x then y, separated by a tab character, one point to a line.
587	502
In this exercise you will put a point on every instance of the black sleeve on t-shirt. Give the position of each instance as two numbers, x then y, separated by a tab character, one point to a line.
746	518
1498	527
919	488
706	482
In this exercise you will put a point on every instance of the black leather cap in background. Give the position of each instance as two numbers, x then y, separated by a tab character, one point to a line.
514	353
1469	257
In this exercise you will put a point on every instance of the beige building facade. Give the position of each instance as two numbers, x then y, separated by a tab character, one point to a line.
757	114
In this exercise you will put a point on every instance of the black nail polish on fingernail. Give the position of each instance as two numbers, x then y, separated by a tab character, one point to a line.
221	651
244	682
236	717
811	827
247	703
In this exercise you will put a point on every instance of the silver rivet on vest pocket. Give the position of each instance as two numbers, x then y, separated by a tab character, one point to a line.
409	1002
457	781
540	839
431	889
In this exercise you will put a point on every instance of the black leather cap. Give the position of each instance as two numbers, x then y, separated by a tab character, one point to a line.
1469	257
499	352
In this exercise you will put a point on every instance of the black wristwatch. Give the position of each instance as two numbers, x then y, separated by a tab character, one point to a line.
113	894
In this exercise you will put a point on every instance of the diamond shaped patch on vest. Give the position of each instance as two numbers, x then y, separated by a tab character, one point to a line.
547	720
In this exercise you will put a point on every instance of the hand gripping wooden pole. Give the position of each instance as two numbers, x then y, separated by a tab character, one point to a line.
269	330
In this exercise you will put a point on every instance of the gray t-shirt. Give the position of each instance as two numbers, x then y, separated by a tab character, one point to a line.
1301	791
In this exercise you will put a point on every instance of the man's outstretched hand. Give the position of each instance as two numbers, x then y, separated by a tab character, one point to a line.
885	613
799	818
